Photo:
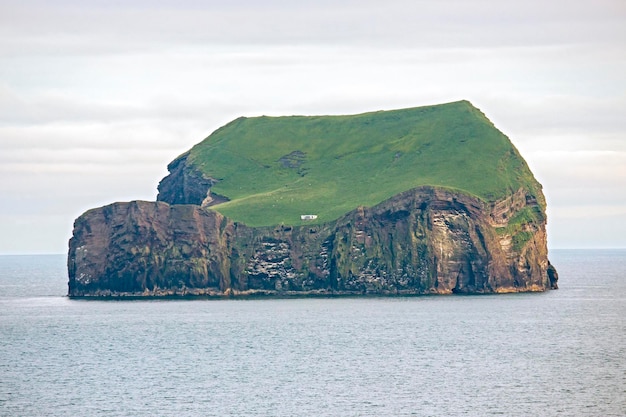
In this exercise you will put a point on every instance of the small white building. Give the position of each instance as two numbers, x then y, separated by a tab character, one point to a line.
308	216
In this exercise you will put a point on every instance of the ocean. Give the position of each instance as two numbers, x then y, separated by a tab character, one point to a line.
559	353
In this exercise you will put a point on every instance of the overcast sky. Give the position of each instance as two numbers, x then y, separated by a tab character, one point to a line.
96	97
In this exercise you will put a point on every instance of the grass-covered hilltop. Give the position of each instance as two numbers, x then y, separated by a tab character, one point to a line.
428	200
272	170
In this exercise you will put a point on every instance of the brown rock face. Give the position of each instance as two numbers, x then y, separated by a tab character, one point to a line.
187	185
424	241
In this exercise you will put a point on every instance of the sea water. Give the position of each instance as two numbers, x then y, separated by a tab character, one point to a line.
559	353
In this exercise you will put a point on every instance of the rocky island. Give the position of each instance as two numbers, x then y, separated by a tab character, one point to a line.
427	200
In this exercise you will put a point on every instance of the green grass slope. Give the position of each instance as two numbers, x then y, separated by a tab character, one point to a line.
273	169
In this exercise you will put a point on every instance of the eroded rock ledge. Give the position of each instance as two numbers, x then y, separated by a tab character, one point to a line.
424	241
186	185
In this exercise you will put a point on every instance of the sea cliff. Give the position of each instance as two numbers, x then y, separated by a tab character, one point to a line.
424	241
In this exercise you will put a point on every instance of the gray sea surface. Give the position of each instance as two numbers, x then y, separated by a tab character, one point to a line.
559	353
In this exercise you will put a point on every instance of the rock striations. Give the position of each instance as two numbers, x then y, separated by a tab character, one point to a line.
429	239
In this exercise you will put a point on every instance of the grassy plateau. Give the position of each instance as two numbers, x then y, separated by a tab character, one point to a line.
274	169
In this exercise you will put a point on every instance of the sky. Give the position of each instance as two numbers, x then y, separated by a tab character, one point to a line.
97	97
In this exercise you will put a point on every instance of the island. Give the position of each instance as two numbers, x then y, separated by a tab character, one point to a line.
425	200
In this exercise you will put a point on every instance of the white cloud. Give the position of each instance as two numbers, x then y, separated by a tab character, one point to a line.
97	27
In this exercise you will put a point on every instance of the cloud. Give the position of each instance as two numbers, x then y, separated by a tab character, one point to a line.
586	194
136	26
583	177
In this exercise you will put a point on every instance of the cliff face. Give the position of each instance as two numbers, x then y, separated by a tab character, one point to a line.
187	185
423	241
148	247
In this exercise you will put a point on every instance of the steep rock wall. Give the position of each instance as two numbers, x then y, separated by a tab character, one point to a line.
186	185
427	240
149	248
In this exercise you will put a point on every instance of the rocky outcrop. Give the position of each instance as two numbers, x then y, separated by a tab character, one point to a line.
148	248
186	185
424	241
